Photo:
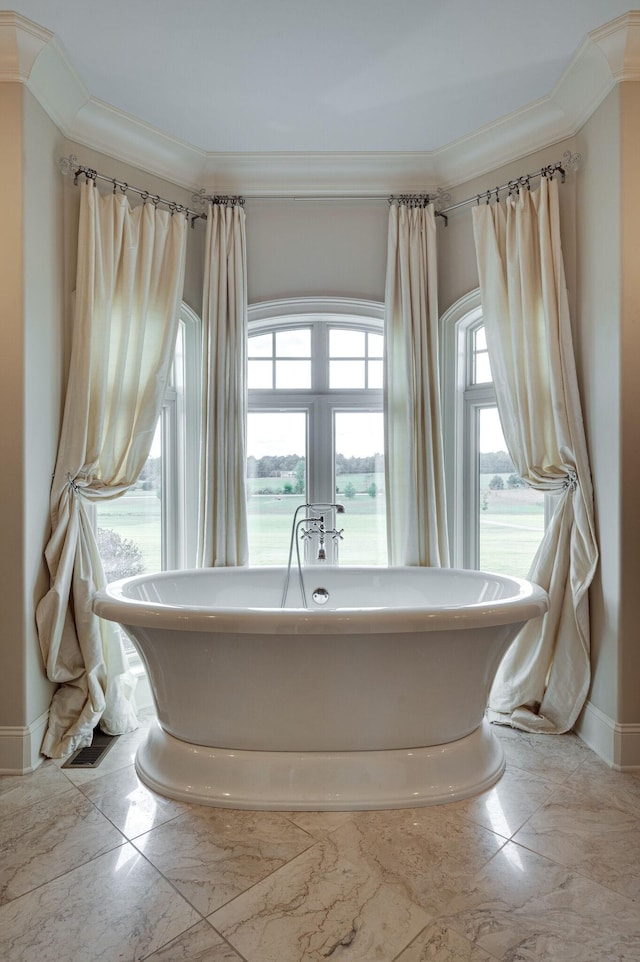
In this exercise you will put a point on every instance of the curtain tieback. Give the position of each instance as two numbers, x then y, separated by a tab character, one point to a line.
571	481
73	485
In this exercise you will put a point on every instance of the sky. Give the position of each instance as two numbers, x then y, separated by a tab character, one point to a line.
357	434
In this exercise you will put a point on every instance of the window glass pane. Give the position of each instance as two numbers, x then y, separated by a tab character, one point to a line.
480	339
511	517
293	374
346	343
260	374
293	343
261	345
129	528
376	345
359	465
276	481
375	374
482	368
346	374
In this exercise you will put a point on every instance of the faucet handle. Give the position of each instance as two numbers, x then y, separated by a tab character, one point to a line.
337	535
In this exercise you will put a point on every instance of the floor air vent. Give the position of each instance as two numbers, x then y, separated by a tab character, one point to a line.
92	755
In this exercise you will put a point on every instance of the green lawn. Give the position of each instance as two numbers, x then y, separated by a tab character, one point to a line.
511	524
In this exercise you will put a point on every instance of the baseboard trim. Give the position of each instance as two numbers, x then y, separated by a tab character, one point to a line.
20	746
617	744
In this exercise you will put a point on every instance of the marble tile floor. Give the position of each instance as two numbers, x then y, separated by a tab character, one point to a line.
545	867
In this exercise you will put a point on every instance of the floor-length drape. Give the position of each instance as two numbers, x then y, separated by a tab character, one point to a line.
543	681
128	287
414	463
222	534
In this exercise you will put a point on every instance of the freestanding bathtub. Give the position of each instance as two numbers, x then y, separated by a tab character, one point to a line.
374	697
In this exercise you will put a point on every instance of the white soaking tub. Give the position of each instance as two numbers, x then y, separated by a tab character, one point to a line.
373	697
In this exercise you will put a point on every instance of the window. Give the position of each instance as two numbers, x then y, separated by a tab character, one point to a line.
153	525
315	427
496	521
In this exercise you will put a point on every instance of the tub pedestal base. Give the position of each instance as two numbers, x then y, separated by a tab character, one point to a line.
320	781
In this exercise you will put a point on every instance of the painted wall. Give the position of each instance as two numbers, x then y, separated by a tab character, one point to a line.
306	247
599	346
13	711
30	382
629	673
42	329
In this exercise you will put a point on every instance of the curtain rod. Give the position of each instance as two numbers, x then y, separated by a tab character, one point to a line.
441	199
569	162
70	165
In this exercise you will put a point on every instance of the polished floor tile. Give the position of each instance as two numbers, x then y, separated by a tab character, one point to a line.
20	791
321	906
319	824
212	855
115	908
507	806
423	852
47	839
130	805
436	943
553	757
198	944
543	867
595	780
522	907
599	841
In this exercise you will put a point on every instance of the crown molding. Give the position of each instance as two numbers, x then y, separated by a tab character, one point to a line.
31	55
619	43
21	42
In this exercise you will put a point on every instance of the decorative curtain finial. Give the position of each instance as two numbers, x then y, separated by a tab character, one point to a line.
68	165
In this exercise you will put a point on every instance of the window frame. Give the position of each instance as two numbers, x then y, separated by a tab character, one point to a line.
460	426
320	402
180	420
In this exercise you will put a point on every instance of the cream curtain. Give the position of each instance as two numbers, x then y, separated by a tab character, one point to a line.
222	534
128	288
544	678
414	463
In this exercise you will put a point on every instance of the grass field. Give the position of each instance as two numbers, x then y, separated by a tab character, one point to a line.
511	525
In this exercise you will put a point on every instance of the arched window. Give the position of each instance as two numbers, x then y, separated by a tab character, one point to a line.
496	521
315	425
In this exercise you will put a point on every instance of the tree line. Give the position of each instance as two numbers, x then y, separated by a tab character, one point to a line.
496	462
273	466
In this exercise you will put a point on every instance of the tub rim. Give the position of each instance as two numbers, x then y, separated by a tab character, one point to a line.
112	604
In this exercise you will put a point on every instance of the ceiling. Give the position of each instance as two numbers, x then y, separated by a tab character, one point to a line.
261	76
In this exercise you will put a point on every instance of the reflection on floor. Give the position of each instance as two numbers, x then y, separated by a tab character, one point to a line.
545	866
